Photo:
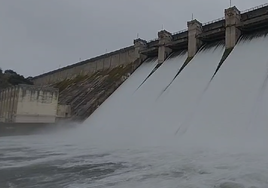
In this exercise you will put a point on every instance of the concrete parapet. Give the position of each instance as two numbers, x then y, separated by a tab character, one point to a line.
164	38
228	28
254	19
194	29
140	45
232	20
88	67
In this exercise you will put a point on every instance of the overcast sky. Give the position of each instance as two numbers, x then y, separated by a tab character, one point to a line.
37	36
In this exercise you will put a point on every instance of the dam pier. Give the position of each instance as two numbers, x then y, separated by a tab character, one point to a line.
228	29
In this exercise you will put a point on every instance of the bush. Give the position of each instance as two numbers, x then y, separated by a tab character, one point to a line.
11	78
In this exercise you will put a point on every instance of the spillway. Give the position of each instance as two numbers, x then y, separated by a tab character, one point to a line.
196	123
150	116
117	102
128	118
229	114
196	132
184	94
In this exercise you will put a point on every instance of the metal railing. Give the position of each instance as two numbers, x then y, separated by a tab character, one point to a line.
213	21
254	8
181	31
153	40
216	20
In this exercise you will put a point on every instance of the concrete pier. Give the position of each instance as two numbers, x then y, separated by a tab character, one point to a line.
232	20
139	45
164	38
194	29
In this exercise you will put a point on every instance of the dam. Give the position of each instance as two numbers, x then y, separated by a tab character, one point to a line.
201	131
179	120
215	118
228	29
83	102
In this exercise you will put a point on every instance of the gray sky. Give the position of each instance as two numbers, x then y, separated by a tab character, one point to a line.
37	36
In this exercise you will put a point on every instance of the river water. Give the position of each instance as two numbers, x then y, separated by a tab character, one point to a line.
48	161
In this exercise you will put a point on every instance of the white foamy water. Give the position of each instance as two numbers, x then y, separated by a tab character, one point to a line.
227	114
130	140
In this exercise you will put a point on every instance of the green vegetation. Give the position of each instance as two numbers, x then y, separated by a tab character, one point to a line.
118	72
86	92
10	78
68	82
112	76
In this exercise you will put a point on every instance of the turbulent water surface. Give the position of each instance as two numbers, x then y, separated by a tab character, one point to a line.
196	133
48	161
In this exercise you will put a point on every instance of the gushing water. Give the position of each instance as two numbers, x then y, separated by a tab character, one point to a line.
227	115
130	140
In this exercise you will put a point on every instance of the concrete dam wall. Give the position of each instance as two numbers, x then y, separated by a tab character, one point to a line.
88	67
199	107
86	93
229	28
86	85
198	114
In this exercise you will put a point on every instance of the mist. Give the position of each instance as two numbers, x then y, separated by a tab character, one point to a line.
226	114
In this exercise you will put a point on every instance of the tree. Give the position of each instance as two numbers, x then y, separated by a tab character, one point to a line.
10	72
10	77
16	79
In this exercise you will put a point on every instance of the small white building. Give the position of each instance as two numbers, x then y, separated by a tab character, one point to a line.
29	104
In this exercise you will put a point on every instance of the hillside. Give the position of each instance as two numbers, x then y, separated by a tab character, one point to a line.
11	78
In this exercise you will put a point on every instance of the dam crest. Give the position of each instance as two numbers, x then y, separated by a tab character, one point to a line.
229	29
